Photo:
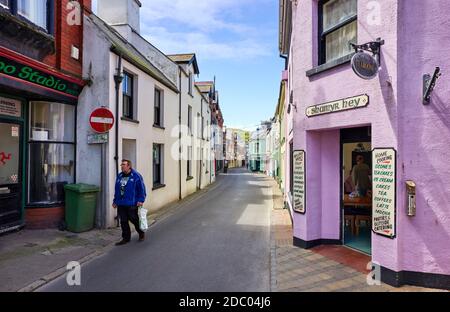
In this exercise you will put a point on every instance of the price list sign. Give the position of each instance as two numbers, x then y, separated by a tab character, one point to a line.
299	192
384	162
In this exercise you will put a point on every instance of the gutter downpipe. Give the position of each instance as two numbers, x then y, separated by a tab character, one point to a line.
118	78
286	58
179	135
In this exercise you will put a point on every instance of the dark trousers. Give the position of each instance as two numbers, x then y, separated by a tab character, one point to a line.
128	213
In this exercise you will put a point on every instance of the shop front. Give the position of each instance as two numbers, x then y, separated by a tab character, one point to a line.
37	141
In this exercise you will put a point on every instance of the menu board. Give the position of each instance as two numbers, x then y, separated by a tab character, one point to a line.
299	191
384	191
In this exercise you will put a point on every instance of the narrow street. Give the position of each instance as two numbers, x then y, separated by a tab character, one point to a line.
219	241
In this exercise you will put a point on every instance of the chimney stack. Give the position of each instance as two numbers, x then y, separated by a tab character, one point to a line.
120	12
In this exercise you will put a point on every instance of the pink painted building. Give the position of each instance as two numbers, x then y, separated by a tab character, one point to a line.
340	125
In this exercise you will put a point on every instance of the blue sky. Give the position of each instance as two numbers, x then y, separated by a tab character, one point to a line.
234	40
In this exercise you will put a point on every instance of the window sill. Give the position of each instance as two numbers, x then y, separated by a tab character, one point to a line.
159	127
158	186
129	120
330	65
19	30
189	178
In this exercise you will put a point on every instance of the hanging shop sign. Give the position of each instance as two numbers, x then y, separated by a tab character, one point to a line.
338	106
10	107
365	65
384	176
38	77
101	120
299	191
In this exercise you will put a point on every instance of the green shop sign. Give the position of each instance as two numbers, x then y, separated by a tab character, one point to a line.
40	78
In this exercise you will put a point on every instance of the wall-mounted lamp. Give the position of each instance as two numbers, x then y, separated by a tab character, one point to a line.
429	82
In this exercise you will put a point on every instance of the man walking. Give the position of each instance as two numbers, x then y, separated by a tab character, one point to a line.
129	195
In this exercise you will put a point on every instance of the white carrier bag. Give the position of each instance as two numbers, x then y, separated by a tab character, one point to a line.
143	224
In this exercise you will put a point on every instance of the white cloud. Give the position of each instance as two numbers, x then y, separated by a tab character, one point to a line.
203	45
213	29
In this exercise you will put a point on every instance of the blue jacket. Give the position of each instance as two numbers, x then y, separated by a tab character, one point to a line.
134	190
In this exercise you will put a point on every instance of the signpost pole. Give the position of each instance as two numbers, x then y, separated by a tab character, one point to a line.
104	200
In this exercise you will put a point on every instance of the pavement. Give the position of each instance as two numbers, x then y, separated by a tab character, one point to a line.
235	235
321	269
30	259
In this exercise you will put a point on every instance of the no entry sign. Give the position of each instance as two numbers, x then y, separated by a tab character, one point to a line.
101	120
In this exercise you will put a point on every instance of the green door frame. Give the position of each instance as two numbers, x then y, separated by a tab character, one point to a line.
23	146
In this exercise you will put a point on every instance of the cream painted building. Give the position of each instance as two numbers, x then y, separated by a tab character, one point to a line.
151	95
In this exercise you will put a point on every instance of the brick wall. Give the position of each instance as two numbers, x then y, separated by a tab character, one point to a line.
67	35
43	218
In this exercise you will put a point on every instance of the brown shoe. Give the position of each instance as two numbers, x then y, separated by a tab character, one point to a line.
141	237
122	242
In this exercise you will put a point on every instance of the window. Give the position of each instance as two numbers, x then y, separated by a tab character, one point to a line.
190	119
51	149
157	164
159	108
199	126
338	26
35	11
191	82
128	99
189	162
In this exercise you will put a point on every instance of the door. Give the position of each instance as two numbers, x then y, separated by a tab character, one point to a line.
356	158
10	174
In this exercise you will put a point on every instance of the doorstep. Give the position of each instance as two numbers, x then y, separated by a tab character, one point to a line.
346	256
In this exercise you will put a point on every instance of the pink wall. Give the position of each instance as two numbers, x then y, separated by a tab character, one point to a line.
417	39
424	146
323	185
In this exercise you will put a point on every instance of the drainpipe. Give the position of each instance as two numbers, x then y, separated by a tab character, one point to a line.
118	78
286	58
179	134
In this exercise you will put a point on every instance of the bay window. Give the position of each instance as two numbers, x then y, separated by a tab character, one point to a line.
51	151
338	26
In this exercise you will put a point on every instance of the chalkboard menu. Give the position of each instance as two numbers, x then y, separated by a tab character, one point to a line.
384	177
299	191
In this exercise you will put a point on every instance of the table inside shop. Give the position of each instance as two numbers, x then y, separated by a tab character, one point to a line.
359	209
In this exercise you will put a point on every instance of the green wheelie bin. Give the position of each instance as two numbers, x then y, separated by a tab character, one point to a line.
81	200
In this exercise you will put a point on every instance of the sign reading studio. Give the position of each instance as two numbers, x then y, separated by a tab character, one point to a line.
384	190
299	191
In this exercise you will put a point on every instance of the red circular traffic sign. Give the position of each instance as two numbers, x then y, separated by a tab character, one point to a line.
101	120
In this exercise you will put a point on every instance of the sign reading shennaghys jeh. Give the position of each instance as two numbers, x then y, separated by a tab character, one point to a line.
338	106
299	191
384	162
12	68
